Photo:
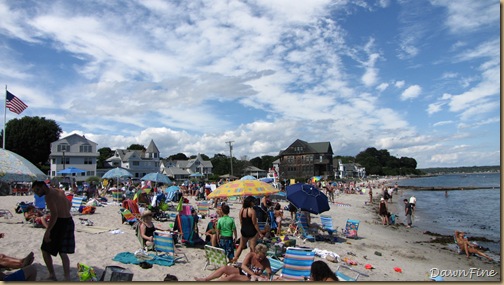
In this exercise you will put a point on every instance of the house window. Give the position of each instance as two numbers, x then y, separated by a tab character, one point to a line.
90	173
85	148
66	160
88	160
136	163
63	147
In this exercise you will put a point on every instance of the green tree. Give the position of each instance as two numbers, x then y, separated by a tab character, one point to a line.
178	156
31	137
221	164
105	153
136	147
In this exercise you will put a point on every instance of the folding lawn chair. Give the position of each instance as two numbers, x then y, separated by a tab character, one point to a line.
303	232
77	202
345	277
351	228
184	224
215	256
276	265
203	208
327	224
163	243
6	214
127	216
297	264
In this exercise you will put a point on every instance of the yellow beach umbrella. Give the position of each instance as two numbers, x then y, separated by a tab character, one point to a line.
243	188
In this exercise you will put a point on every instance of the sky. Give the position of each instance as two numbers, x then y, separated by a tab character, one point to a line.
420	79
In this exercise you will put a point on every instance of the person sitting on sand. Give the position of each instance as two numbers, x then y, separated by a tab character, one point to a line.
147	228
210	233
251	269
467	246
36	216
27	273
320	271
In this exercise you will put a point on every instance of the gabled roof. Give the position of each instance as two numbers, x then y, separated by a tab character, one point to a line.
172	171
302	147
152	148
74	139
253	169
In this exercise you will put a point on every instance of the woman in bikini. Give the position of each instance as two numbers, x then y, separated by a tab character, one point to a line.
249	227
251	269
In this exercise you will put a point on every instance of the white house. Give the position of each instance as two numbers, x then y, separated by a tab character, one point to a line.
74	151
351	170
182	169
138	162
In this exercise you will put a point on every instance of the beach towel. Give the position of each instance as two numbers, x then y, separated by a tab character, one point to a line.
93	229
129	258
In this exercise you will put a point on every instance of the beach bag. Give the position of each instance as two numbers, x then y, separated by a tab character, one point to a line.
86	273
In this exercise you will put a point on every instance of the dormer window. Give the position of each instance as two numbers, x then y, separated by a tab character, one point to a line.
63	147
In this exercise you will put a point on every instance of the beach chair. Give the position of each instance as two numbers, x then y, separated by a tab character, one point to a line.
163	243
351	229
276	265
303	232
327	224
297	264
127	216
184	224
203	208
6	214
215	256
39	202
77	202
345	277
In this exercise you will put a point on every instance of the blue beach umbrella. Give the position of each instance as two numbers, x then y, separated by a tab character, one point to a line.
248	177
267	179
71	170
157	177
14	168
196	174
307	198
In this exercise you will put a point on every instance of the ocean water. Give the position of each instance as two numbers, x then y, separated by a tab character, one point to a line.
476	212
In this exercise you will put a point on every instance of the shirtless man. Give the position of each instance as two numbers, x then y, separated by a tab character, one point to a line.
467	246
59	235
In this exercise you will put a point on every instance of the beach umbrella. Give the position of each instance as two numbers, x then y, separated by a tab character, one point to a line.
243	188
307	198
15	168
157	177
248	177
172	188
315	178
278	196
228	176
196	174
71	170
267	179
117	173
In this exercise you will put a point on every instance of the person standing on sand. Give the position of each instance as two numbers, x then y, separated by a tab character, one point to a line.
408	211
59	236
383	211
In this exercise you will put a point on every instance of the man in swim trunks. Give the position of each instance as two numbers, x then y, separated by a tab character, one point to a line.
59	235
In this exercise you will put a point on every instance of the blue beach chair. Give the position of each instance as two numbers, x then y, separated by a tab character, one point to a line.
297	264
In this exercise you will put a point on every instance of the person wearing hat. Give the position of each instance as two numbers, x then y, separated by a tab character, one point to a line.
147	228
383	211
211	236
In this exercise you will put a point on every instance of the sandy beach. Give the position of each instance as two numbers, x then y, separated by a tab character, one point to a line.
383	247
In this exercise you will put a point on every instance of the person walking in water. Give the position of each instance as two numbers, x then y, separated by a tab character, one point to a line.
59	236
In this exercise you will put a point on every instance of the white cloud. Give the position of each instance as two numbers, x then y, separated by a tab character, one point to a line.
399	84
467	16
442	123
434	108
411	92
382	87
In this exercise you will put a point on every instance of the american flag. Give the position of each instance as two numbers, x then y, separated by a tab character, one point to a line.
14	103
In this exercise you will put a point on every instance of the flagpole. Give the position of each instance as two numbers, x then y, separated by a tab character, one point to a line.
5	117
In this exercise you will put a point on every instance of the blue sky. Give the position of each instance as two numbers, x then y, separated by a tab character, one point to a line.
418	78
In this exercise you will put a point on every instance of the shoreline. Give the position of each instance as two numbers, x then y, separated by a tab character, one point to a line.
407	248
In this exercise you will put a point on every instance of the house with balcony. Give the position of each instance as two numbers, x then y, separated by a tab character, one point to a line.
304	160
138	162
74	151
